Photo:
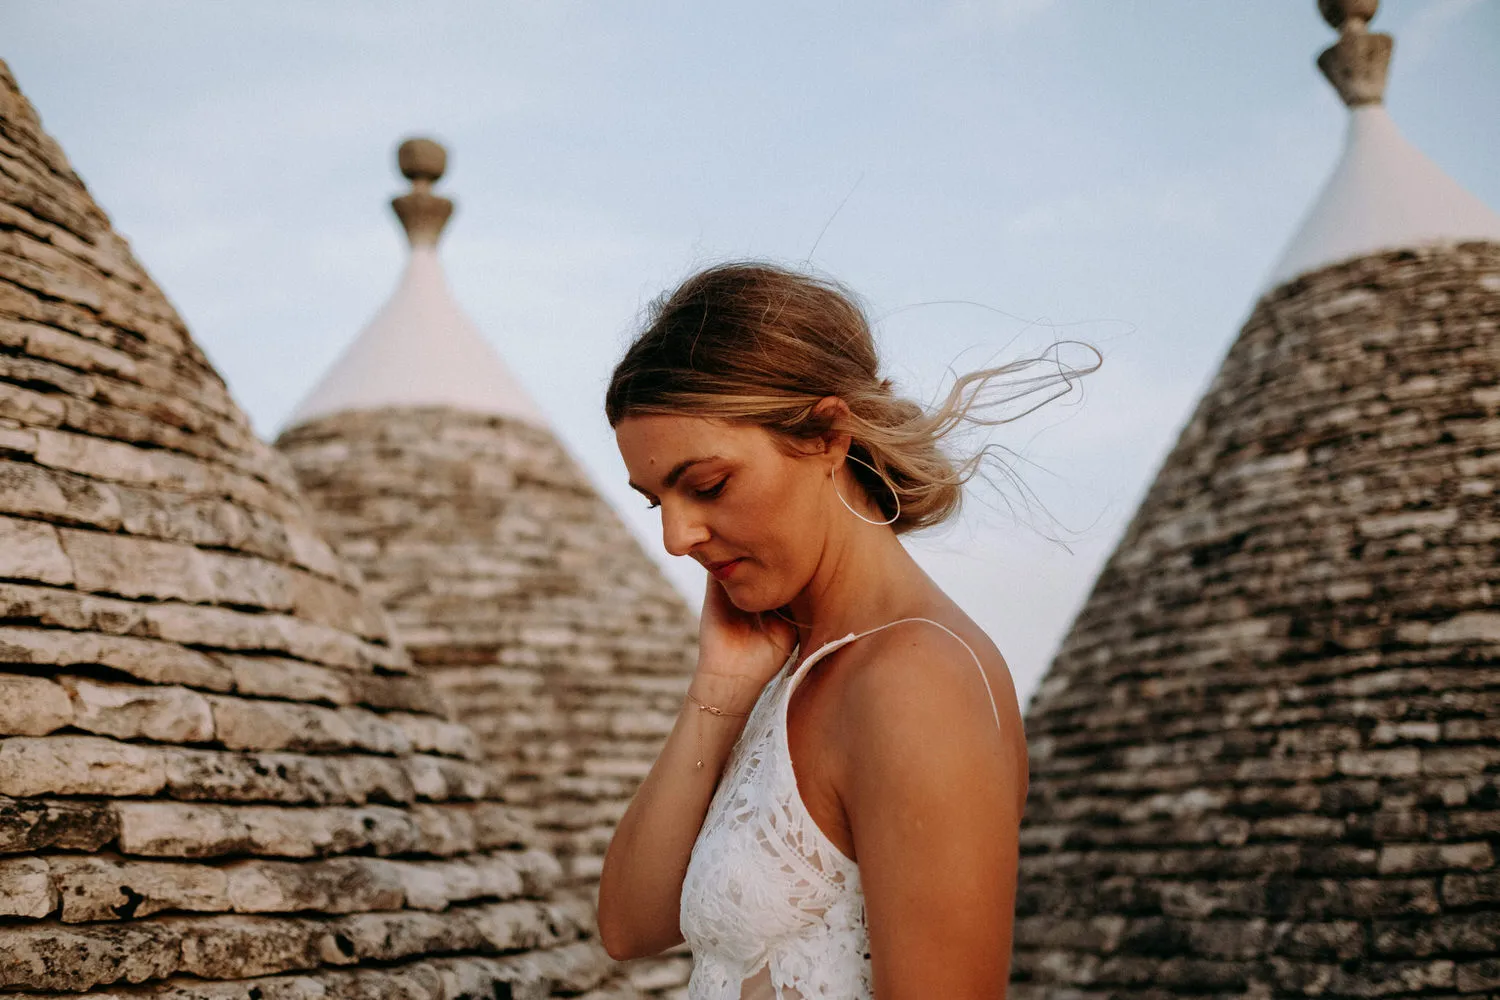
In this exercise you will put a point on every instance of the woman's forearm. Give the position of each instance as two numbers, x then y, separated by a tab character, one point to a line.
641	882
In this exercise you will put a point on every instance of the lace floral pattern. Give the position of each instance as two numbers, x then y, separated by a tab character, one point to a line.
767	896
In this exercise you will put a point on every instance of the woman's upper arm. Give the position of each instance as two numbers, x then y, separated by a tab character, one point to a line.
931	791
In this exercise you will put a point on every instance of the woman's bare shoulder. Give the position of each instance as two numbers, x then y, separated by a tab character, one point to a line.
912	677
915	724
928	658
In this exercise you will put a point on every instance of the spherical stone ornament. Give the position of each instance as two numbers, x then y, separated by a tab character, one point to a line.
1337	12
422	159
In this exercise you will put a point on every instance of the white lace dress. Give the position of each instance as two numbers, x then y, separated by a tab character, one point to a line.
771	909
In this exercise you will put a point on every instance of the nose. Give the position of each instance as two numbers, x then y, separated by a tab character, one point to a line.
681	529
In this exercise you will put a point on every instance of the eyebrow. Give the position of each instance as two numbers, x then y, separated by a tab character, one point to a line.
676	473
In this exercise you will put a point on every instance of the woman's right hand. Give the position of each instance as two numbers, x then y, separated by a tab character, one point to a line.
741	645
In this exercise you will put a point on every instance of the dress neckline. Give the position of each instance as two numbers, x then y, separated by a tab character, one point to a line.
813	656
784	743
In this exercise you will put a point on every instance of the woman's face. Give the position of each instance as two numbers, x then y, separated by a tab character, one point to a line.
755	516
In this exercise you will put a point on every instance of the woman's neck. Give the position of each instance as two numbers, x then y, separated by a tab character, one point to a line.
864	578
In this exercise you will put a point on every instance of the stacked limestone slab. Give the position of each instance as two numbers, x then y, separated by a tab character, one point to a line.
506	575
523	595
219	778
1266	761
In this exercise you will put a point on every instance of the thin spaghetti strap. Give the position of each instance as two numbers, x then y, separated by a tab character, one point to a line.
982	675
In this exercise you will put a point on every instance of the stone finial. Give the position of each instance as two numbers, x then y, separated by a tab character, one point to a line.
422	213
1356	13
1357	63
422	160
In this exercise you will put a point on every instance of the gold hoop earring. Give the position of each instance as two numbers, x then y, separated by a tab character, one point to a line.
896	496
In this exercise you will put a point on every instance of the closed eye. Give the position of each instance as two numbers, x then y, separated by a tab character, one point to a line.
709	492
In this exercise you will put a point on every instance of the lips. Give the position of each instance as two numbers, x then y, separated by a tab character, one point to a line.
720	570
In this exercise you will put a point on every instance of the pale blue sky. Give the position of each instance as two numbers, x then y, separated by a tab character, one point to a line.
1127	171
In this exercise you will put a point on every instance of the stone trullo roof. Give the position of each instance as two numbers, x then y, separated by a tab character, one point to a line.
1264	760
218	776
523	595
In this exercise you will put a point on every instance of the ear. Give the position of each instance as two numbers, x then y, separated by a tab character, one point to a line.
836	439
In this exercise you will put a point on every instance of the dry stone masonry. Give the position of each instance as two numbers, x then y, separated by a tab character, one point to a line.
523	595
507	576
1266	761
219	777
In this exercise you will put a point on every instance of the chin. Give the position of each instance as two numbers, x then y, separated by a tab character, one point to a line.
748	600
755	600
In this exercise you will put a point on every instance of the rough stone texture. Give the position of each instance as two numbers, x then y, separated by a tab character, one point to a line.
578	968
26	888
216	766
519	590
54	956
93	888
1266	760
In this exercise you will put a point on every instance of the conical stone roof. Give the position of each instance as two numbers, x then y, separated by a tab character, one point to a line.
1264	761
520	591
218	775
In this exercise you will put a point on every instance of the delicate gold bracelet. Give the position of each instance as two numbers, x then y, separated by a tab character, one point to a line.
712	710
717	711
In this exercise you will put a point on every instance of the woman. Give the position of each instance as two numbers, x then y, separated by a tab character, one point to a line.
835	812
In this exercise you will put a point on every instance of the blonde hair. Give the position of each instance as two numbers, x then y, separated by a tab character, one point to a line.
760	344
